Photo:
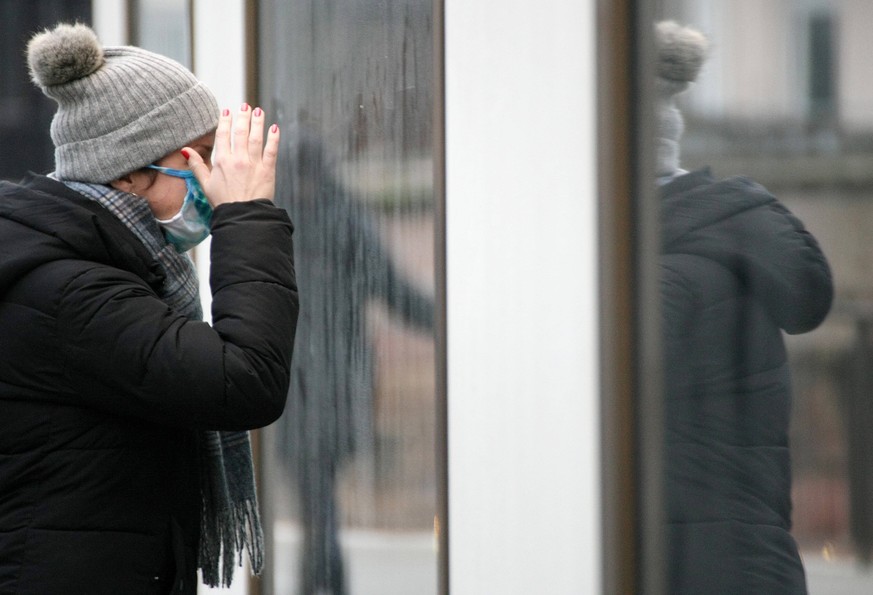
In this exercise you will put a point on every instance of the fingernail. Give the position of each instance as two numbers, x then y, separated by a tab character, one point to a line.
257	113
186	154
274	128
244	107
225	112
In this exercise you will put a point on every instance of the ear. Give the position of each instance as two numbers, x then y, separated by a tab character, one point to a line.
124	183
136	182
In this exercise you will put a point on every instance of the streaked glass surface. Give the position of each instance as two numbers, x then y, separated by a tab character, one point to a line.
349	485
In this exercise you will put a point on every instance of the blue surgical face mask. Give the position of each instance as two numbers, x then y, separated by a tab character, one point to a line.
191	224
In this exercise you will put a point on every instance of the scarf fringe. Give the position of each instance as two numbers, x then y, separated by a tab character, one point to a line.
221	550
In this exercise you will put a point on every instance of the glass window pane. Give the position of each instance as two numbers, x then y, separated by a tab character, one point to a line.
350	482
769	448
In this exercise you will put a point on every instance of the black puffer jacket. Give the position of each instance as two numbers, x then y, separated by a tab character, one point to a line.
103	388
737	269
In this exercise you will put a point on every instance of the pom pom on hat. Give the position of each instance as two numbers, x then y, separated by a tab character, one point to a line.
681	52
64	54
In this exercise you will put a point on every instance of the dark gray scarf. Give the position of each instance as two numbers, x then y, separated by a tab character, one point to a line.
229	507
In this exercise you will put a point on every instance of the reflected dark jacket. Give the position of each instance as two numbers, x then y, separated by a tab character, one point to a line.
103	388
343	268
737	269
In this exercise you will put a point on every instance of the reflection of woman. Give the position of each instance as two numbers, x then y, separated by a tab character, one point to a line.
112	476
737	269
342	267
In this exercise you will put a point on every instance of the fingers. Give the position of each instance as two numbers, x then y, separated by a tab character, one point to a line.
241	127
256	135
247	130
222	135
257	151
243	163
196	164
271	150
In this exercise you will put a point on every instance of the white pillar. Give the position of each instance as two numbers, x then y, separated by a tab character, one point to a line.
219	61
110	21
521	218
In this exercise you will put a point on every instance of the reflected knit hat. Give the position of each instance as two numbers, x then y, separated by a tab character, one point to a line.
681	52
119	108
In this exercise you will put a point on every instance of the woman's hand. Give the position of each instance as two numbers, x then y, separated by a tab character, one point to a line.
243	168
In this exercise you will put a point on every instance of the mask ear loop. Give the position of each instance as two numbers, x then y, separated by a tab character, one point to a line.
177	173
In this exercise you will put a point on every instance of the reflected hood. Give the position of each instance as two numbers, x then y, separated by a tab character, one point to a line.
741	226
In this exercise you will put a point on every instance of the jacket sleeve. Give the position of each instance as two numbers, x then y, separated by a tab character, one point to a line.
786	268
129	354
768	248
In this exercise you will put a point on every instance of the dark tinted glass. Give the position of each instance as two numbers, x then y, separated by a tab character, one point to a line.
25	113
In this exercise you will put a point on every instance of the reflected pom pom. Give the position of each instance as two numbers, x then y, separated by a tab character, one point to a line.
681	51
63	54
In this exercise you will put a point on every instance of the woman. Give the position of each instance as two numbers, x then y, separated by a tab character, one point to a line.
738	270
124	461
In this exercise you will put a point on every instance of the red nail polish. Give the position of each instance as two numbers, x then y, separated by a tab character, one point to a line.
186	154
225	112
257	112
244	107
274	128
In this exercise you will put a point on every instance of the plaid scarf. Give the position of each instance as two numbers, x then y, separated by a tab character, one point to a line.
229	508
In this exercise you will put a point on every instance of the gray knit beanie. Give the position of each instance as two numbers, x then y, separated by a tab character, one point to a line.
681	52
119	108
